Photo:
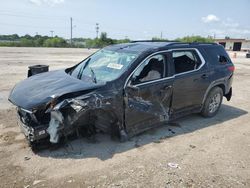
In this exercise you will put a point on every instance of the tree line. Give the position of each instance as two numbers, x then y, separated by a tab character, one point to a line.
32	41
46	41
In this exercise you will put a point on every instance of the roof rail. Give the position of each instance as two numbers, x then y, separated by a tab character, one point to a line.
172	43
150	41
192	43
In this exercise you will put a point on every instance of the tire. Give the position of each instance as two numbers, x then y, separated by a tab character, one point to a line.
212	103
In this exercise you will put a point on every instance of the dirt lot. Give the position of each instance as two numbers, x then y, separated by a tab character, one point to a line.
209	152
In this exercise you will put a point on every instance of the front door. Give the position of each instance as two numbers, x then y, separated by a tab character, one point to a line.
148	95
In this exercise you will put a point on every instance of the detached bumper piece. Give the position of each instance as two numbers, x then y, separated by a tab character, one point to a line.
32	130
34	133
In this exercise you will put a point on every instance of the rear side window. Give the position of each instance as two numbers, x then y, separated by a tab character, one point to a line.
217	55
185	61
222	59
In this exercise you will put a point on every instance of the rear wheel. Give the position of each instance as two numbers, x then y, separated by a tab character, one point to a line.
212	103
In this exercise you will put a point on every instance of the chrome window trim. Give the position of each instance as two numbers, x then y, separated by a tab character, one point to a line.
203	62
152	81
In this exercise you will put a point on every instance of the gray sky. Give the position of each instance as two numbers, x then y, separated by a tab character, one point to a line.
136	19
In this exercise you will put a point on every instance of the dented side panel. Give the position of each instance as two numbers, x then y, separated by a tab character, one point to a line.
147	105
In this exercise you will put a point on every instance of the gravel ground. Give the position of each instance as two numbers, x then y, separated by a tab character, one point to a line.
191	152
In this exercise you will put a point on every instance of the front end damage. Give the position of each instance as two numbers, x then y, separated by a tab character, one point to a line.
54	105
84	115
32	128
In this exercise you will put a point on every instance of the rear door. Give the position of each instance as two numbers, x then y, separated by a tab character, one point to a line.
221	71
191	79
148	94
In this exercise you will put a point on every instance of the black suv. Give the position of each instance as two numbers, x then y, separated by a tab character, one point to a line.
125	89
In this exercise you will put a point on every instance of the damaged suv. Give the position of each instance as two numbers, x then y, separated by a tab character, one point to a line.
125	89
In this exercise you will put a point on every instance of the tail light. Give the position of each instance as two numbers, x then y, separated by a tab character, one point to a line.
231	68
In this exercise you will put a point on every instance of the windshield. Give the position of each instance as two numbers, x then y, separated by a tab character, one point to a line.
104	65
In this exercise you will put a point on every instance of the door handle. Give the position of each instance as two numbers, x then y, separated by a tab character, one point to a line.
204	76
165	88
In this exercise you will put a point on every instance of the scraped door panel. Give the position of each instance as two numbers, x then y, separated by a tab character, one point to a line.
147	105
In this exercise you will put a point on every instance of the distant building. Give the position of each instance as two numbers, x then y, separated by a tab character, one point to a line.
234	44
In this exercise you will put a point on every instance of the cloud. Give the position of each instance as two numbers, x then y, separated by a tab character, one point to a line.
232	32
210	18
48	2
219	32
230	23
226	27
241	31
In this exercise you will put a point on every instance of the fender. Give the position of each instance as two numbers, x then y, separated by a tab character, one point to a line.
212	85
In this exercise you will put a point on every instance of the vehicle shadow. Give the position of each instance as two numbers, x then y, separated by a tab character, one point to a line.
105	148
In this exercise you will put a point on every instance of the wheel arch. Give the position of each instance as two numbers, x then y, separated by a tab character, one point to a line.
222	86
213	85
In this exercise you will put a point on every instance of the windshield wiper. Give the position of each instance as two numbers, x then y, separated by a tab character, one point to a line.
79	75
93	75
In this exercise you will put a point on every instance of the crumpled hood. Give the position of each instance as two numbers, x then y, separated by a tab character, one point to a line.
39	89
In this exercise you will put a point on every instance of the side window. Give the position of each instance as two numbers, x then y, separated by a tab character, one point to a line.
151	69
218	55
222	59
185	61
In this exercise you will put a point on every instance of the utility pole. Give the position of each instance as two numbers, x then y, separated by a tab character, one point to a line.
161	35
52	32
97	29
71	30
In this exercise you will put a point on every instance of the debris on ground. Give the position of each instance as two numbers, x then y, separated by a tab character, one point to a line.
174	165
192	146
37	181
27	158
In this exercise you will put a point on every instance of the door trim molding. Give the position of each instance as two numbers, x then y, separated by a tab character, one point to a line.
153	81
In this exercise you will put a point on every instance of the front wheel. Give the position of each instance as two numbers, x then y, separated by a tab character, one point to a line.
212	103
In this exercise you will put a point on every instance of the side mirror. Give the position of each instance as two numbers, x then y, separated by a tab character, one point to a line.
132	80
